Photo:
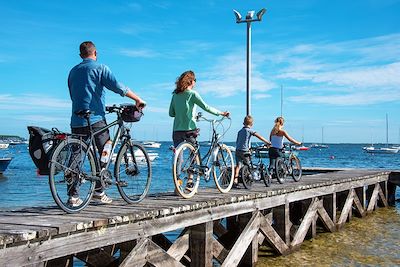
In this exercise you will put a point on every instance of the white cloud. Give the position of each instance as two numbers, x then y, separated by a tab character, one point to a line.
141	53
261	96
32	101
357	72
228	77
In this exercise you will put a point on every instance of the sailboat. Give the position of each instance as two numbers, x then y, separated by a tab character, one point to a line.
322	145
383	150
302	147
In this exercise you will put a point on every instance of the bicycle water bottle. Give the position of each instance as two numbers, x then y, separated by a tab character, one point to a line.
105	155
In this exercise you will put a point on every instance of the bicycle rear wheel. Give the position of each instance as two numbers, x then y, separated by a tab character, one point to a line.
295	167
265	175
280	170
132	172
71	167
247	178
223	169
185	170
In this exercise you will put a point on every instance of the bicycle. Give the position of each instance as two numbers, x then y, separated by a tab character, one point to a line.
188	165
251	172
289	164
76	162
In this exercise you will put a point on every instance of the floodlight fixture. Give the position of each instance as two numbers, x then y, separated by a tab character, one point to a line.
238	16
250	15
261	13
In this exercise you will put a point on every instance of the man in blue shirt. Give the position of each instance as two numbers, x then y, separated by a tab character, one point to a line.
86	83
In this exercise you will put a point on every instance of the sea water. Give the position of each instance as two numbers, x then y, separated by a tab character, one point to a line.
371	241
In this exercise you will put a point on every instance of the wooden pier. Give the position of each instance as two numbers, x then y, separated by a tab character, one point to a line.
211	227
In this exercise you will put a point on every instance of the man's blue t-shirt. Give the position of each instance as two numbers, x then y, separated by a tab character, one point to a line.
243	138
86	83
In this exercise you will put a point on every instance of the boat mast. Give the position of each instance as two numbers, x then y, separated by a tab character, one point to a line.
281	101
387	130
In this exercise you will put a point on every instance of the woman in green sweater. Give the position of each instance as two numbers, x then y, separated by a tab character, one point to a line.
183	109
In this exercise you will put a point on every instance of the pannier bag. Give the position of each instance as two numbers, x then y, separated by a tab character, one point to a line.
42	142
130	113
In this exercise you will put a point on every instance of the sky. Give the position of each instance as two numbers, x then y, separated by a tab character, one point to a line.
336	63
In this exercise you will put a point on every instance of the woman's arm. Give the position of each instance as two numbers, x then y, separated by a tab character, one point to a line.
171	108
285	134
200	102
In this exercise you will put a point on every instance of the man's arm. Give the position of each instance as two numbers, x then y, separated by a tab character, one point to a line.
139	102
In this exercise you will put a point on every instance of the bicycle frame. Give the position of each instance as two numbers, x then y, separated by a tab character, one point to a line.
90	141
209	157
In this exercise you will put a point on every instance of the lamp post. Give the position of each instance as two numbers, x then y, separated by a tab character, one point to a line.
248	20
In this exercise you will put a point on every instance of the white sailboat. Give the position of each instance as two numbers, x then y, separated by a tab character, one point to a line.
383	150
322	145
138	156
151	144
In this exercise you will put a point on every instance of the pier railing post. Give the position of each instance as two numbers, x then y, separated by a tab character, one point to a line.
282	223
201	245
329	202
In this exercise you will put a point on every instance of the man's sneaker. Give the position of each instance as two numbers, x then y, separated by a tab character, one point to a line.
74	201
102	197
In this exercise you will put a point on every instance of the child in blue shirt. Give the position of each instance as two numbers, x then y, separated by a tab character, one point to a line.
243	144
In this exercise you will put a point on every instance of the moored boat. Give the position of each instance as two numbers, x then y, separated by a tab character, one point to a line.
4	145
138	155
4	162
151	144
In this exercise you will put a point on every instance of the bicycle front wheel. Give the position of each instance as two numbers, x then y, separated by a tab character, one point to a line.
185	170
247	178
280	169
132	172
265	175
71	167
295	167
223	169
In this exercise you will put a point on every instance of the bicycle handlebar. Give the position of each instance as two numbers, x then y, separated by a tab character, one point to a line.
200	116
120	108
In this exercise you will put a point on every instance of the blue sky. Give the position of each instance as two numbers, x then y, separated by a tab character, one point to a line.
338	62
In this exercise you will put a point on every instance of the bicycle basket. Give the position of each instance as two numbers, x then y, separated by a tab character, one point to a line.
131	113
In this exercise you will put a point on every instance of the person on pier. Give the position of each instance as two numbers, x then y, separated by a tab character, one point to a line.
276	137
243	145
87	82
183	109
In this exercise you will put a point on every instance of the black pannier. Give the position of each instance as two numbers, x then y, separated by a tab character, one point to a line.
130	113
42	142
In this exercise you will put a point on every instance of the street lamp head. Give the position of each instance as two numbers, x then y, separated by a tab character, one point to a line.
250	15
237	15
261	13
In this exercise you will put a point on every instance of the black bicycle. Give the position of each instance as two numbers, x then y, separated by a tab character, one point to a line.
75	163
288	165
255	171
